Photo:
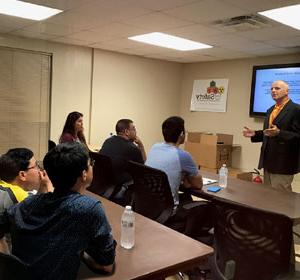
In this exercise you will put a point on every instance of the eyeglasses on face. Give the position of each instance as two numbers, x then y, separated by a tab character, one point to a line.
276	88
36	166
132	128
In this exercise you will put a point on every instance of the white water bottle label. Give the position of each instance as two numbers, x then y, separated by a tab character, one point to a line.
127	224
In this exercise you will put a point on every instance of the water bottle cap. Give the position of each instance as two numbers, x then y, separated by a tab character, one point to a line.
128	207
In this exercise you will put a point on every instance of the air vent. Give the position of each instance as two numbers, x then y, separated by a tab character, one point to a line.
244	23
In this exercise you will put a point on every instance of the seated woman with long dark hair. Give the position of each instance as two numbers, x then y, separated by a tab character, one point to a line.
73	129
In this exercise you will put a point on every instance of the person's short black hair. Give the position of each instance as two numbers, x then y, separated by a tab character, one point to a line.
122	125
172	128
8	169
65	163
14	161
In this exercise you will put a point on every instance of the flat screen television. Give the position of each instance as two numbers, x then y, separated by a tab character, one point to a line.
262	78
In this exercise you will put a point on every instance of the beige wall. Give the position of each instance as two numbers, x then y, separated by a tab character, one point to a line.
114	86
239	73
144	90
71	78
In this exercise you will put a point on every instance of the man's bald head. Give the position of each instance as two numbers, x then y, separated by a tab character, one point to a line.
279	91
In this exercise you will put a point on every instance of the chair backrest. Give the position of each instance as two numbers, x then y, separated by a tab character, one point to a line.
51	145
151	192
103	176
259	242
12	268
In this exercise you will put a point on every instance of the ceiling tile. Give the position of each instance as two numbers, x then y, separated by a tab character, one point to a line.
223	53
206	11
235	42
135	51
70	41
49	28
33	35
112	10
274	51
10	23
195	32
291	42
157	22
60	4
116	44
159	5
115	29
77	20
87	36
265	34
260	5
106	24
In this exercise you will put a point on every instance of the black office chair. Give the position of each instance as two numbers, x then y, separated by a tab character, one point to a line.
151	192
258	242
12	268
152	197
51	145
103	176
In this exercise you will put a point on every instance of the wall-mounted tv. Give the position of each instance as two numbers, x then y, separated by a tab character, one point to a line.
262	78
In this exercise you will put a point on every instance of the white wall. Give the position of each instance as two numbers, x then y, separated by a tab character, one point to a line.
239	73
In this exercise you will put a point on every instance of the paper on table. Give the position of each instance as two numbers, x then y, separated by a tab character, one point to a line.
207	181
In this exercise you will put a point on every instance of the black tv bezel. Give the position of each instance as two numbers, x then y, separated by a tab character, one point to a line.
254	70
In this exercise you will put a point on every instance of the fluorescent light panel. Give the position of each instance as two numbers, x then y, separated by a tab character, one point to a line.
169	41
26	10
287	15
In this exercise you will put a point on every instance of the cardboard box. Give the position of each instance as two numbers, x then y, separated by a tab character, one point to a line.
232	172
246	176
210	150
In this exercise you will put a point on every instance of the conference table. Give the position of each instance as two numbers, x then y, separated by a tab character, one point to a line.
158	252
254	195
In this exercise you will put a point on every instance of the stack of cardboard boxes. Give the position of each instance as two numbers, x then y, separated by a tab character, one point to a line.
209	150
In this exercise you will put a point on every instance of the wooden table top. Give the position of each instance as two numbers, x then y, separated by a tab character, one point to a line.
255	195
158	252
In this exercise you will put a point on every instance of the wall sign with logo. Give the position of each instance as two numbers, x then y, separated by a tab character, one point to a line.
209	95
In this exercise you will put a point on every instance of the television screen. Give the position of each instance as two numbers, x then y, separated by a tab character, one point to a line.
262	79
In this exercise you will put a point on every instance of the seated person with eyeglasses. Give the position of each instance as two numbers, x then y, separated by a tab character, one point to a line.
121	148
20	174
52	232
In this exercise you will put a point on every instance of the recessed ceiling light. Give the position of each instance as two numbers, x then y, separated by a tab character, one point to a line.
287	15
169	41
26	10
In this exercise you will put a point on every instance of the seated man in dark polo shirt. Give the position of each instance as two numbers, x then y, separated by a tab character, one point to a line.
52	231
121	148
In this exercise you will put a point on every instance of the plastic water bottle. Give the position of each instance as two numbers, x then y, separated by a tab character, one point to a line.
223	173
127	228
